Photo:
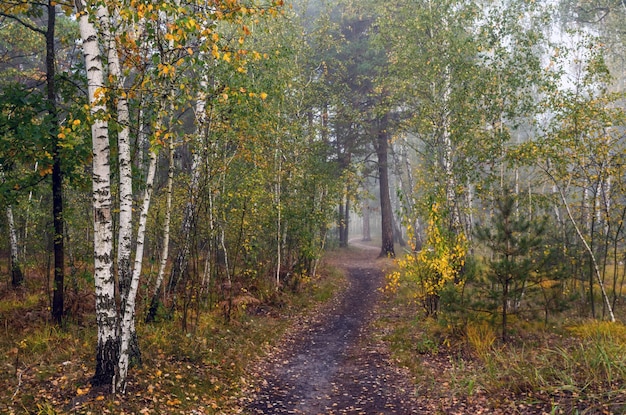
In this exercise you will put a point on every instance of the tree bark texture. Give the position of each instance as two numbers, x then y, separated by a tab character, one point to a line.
17	277
128	314
382	147
107	349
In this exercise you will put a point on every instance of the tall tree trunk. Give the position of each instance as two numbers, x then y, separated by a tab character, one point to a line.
124	237
448	160
107	349
382	146
344	218
57	173
125	230
128	314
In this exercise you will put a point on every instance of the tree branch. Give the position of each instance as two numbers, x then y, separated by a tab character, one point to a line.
24	23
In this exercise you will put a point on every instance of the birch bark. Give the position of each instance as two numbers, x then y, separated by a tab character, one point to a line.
128	314
107	348
125	219
17	277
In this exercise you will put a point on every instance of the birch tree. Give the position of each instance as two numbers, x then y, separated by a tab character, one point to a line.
107	349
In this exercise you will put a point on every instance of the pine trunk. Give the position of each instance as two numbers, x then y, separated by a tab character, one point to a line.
382	146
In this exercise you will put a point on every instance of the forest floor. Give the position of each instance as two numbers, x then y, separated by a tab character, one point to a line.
331	362
340	344
347	358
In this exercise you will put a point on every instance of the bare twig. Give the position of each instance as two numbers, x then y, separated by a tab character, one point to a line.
19	383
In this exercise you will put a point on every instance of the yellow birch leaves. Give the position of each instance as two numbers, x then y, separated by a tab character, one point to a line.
437	264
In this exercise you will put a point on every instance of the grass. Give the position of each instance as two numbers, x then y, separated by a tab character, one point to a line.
571	366
47	369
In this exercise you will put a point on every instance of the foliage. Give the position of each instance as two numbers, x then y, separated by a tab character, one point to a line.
512	240
438	264
564	367
48	367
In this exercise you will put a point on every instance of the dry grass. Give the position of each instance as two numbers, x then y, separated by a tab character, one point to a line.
46	370
565	368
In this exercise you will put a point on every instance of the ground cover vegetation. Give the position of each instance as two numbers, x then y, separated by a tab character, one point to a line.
515	254
172	172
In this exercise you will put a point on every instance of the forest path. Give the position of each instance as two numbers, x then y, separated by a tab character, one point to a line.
332	363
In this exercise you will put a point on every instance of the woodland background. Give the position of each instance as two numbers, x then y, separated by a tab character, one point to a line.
169	170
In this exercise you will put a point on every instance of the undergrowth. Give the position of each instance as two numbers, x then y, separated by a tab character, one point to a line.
568	367
202	371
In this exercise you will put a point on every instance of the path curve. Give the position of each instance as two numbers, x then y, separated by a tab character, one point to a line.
334	365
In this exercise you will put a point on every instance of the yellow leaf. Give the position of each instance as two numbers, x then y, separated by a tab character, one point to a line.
190	51
263	95
45	171
159	373
81	392
99	398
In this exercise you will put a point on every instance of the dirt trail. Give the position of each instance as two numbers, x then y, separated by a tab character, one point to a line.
333	365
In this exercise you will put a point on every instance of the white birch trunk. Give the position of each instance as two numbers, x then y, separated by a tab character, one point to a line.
27	219
17	277
448	157
128	315
106	313
470	209
582	238
206	279
124	247
12	235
